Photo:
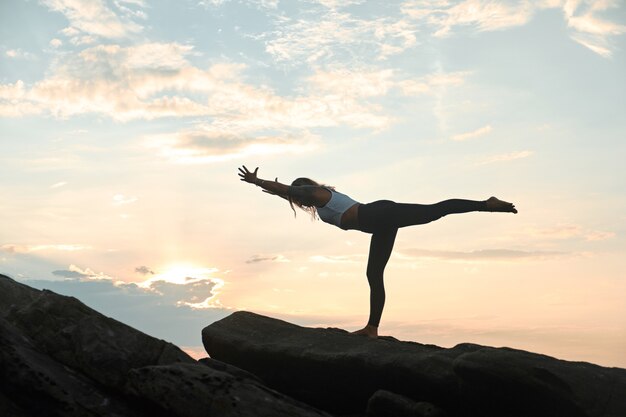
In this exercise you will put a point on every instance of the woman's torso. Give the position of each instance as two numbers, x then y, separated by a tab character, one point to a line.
349	217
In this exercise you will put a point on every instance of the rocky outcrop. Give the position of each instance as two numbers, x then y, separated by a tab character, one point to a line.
189	390
59	357
339	372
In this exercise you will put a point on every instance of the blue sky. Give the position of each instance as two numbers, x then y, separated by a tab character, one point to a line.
122	124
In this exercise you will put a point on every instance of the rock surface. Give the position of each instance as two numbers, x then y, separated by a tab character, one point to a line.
338	372
387	404
189	390
61	358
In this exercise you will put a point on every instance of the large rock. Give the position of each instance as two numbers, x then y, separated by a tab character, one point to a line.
32	383
83	339
188	390
60	358
337	371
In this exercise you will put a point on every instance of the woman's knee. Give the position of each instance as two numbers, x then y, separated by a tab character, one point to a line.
375	278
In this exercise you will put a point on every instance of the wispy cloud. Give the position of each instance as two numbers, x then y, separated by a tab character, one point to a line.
16	248
208	145
326	34
473	134
568	231
590	30
477	255
157	80
267	258
582	17
99	18
122	200
18	54
337	259
484	15
58	184
144	270
75	272
505	157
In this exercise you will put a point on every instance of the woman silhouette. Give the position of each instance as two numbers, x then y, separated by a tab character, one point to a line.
381	218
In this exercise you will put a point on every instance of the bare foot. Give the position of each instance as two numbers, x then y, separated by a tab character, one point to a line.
493	204
369	331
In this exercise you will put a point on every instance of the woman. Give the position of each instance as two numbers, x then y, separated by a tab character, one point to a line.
381	218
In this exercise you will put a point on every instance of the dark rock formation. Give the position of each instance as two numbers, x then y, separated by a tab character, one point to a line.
337	371
189	390
387	404
59	357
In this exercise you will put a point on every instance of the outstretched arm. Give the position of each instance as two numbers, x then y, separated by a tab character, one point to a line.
306	194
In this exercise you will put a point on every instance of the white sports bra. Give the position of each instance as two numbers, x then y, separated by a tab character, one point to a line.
333	210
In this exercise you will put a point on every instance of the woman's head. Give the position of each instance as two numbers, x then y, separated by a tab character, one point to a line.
309	209
303	181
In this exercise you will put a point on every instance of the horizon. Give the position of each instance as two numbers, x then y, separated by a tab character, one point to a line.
123	124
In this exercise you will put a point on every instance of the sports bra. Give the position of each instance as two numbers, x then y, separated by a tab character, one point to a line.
333	210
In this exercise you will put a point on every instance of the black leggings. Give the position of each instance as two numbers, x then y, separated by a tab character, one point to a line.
382	219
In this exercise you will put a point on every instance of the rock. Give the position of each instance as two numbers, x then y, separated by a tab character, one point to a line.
33	384
338	372
387	404
14	294
85	340
233	370
60	358
189	390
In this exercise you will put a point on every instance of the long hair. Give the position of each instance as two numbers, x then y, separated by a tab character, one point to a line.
311	210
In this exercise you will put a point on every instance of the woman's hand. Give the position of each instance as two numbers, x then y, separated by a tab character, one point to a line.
248	176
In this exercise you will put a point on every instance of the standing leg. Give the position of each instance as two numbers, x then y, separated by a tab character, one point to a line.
381	246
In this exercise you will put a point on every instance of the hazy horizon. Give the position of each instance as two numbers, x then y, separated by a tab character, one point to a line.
123	123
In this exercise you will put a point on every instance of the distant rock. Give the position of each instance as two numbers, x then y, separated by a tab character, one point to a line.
339	372
60	358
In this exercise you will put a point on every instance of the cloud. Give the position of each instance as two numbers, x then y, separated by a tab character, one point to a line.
56	43
477	255
267	258
505	157
15	248
337	259
590	30
18	54
582	18
76	272
156	312
569	231
122	200
207	145
473	134
484	15
58	184
68	274
324	35
144	270
156	80
353	83
97	17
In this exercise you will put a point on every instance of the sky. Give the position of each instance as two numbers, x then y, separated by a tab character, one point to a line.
123	123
